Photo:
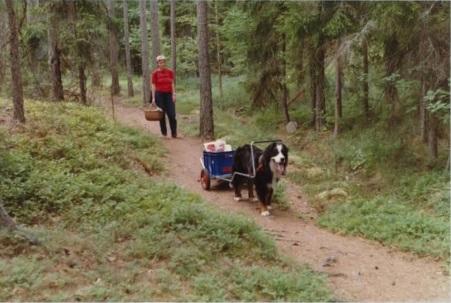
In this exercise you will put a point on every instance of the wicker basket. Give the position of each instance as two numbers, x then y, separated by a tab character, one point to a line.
153	114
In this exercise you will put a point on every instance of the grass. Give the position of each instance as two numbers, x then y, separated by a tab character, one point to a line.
392	223
111	233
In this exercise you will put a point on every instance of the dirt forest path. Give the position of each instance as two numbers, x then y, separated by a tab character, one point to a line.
357	269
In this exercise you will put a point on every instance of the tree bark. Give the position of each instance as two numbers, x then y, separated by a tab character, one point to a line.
144	52
72	16
82	84
320	103
54	57
218	50
312	72
318	112
16	74
206	105
173	42
432	137
127	51
96	78
392	60
423	111
155	32
3	27
284	81
113	42
365	99
338	105
299	63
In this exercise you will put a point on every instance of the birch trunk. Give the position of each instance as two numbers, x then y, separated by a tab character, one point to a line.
128	61
144	52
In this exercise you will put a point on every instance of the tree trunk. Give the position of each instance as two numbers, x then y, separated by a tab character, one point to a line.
113	41
127	52
206	104
82	84
339	86
144	51
338	105
391	96
2	73
54	57
299	64
284	81
72	16
320	103
96	75
155	32
173	42
312	72
423	111
16	73
365	100
218	50
3	26
432	137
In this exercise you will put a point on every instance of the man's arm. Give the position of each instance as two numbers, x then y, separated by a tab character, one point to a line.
173	91
153	94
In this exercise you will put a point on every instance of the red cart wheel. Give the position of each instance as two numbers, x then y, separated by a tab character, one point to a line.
204	179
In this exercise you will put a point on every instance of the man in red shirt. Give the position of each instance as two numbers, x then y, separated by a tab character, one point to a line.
163	94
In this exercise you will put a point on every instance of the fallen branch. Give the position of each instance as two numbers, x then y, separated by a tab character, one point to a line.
146	167
5	219
7	222
301	92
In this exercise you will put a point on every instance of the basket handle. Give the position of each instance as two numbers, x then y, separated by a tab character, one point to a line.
152	107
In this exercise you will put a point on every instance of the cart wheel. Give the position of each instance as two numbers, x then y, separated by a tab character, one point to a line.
204	179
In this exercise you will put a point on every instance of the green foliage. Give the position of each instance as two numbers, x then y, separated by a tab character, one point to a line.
236	30
438	103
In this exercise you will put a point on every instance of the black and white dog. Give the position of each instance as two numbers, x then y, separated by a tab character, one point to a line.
269	164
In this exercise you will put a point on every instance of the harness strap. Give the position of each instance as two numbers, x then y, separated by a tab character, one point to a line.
260	164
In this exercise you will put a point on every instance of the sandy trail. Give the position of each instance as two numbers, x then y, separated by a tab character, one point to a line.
357	269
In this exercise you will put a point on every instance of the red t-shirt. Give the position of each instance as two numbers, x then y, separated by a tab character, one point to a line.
162	79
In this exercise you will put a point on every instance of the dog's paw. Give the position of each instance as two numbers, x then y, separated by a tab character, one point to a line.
253	199
269	207
265	213
237	199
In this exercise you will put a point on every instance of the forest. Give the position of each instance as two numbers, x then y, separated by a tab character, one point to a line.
96	206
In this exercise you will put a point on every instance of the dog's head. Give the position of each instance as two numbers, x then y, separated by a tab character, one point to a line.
276	157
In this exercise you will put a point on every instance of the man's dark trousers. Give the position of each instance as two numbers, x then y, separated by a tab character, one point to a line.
165	102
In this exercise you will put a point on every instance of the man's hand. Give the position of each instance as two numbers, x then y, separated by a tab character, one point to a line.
173	97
